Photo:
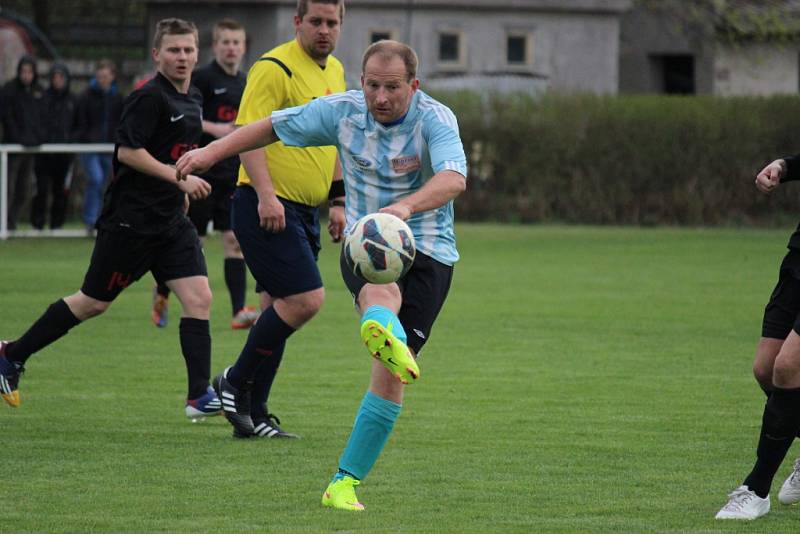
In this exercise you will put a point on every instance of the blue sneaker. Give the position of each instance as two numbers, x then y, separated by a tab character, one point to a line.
9	378
206	406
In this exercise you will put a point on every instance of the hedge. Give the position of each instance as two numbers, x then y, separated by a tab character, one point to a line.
641	160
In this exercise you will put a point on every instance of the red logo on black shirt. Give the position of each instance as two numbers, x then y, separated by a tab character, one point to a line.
227	113
179	149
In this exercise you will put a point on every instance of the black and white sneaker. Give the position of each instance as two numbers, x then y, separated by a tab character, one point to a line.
267	427
235	403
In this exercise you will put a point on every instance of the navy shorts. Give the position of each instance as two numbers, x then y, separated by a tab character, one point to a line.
285	263
121	257
215	207
424	289
782	313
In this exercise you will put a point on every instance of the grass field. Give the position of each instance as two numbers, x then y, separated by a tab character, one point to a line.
578	380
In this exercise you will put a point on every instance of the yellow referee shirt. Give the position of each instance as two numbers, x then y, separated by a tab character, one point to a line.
286	77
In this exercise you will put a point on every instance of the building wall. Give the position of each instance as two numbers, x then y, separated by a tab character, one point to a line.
756	70
575	50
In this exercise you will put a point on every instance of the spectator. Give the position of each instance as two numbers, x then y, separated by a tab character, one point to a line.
22	98
54	171
99	110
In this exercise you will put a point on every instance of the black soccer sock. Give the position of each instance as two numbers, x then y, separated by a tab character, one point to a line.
779	426
196	347
262	382
236	280
54	323
162	290
268	334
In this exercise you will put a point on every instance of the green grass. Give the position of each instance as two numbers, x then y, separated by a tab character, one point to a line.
578	380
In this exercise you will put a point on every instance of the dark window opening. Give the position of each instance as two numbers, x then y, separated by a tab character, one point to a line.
379	36
517	49
449	47
674	74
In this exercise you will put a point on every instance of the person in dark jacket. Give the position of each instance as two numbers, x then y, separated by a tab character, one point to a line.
54	171
99	111
22	103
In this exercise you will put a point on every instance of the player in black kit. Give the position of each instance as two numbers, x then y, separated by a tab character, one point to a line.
143	226
221	83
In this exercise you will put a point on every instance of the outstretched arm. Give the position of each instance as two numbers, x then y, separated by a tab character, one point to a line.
244	139
141	160
443	187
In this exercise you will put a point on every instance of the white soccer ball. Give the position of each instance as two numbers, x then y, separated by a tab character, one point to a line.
380	248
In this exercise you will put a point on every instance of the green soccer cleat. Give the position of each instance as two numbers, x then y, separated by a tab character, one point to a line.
390	351
341	494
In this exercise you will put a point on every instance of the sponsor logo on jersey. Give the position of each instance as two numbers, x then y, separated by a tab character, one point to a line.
364	163
220	91
227	113
179	149
403	164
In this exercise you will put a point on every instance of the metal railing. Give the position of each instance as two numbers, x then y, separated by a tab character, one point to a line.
47	148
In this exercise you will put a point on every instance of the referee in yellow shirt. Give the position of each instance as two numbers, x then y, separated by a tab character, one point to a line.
275	213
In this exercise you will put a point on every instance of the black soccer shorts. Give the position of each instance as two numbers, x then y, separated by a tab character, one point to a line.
782	313
121	257
424	289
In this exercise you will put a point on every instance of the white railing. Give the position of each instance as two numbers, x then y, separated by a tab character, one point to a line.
48	148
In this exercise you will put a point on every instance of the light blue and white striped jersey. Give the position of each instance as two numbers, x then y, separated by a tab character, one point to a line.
381	165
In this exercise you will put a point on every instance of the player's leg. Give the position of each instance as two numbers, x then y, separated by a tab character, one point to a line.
242	316
284	264
266	424
424	290
777	353
234	268
180	264
116	262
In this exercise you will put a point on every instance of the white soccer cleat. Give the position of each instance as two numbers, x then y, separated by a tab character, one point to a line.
790	491
744	504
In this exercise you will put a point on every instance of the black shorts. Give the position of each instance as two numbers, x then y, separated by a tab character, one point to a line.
783	308
121	257
424	289
215	207
285	263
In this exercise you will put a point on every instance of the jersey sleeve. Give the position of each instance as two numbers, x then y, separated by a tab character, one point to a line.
139	121
266	91
444	144
313	124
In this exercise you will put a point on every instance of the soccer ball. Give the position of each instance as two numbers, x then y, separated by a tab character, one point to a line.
380	248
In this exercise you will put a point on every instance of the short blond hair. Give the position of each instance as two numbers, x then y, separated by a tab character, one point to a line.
387	49
173	26
225	24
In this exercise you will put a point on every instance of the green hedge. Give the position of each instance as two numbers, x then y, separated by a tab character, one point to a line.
626	159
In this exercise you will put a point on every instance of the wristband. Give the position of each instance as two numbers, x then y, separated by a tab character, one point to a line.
336	202
336	190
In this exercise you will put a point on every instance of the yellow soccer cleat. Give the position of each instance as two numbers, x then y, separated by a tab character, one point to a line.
9	378
341	494
390	351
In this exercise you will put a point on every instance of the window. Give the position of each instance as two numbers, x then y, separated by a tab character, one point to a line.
517	49
673	74
449	47
380	35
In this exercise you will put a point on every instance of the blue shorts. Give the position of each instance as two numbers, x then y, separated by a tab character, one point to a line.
285	263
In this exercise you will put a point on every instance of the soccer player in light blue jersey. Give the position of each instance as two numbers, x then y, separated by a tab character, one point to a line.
400	153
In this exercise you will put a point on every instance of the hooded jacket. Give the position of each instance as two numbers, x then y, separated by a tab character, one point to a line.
22	108
99	112
59	119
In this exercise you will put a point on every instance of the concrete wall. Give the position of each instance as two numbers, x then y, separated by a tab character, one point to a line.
575	44
756	70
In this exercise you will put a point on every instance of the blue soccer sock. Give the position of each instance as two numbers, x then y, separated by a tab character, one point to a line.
265	337
387	318
374	422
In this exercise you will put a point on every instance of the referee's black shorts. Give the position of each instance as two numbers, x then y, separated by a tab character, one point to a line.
782	313
121	256
424	289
